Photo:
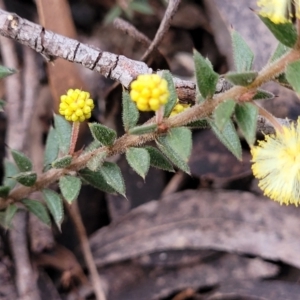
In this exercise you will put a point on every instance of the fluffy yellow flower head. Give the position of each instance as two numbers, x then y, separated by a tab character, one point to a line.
178	108
279	11
76	105
149	91
276	162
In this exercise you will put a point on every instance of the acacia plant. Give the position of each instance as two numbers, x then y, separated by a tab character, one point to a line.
275	160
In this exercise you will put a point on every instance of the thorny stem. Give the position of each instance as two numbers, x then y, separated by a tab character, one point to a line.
74	137
196	112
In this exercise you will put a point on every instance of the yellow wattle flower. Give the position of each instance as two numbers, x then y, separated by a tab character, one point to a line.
279	11
149	92
178	108
276	163
76	105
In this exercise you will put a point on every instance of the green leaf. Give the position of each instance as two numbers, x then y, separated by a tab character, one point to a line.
242	54
141	7
51	148
96	161
201	124
22	161
285	33
177	146
26	178
103	134
92	146
113	13
223	112
207	79
243	79
246	117
130	113
70	187
63	132
108	179
292	74
96	179
55	205
263	95
279	52
38	209
4	191
173	95
10	170
139	160
113	176
228	136
158	160
143	129
62	162
2	104
9	214
4	71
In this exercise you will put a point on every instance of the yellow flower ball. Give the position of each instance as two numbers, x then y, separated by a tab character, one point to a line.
76	105
178	108
279	11
276	163
149	92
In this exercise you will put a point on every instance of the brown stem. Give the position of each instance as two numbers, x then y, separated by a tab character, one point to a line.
74	137
86	250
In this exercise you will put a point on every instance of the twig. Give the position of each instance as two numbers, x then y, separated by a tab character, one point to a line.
131	31
86	250
163	27
25	277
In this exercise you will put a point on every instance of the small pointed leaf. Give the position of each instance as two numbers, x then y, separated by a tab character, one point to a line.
223	113
206	77
96	180
141	7
103	134
158	160
2	104
10	170
63	133
229	137
113	176
62	162
279	52
96	161
38	209
243	79
201	124
4	72
284	32
177	145
130	113
263	95
51	148
139	160
92	146
246	117
143	129
173	95
26	178
70	187
22	161
242	54
292	74
4	191
55	205
9	214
